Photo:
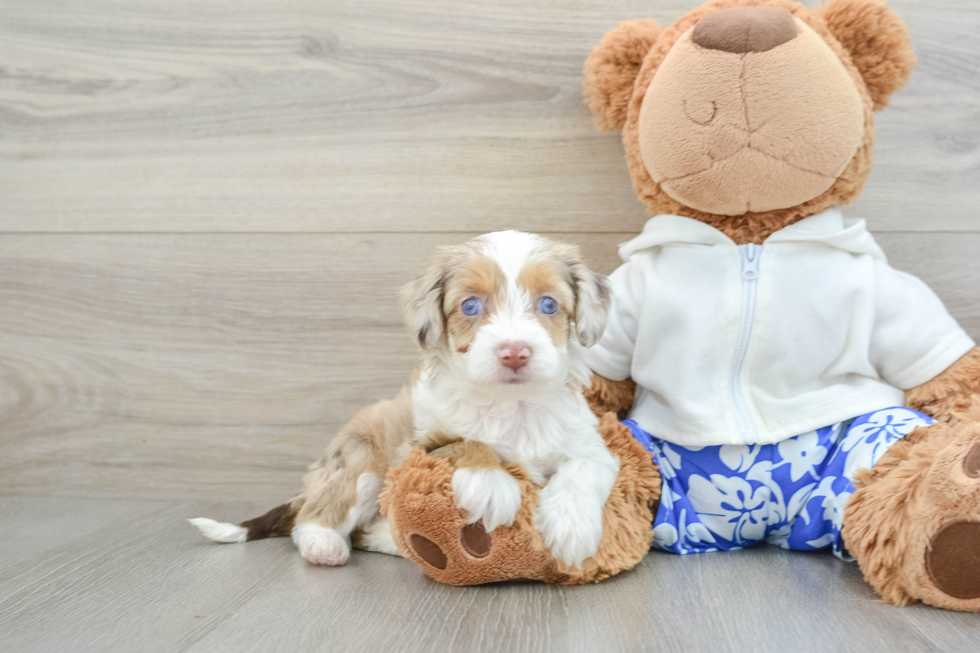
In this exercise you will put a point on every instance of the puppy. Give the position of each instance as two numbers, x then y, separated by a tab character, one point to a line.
502	322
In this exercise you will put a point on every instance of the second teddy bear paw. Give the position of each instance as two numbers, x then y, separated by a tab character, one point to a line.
953	556
913	524
491	495
953	561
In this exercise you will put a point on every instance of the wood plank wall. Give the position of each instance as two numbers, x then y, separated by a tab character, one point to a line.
206	210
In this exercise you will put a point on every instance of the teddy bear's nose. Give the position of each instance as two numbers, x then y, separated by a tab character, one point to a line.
745	29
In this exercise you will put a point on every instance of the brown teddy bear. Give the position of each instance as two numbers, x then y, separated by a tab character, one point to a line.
792	387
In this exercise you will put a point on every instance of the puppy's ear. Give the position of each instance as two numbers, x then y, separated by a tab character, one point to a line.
611	70
421	302
593	297
878	41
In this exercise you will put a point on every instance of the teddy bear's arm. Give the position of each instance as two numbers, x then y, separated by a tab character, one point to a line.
606	396
467	453
951	392
435	439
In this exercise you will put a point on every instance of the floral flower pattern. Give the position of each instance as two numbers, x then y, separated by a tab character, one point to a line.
734	496
803	454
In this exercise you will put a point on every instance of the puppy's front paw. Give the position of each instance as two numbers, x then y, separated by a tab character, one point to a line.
570	527
491	494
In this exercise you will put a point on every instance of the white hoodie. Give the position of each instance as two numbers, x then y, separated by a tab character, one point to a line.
755	344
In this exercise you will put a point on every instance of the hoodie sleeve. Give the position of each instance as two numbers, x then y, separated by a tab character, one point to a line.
914	337
612	357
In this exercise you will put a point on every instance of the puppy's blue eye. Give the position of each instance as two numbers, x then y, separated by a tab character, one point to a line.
547	305
472	306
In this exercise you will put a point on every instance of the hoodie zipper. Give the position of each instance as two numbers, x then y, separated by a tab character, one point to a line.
751	254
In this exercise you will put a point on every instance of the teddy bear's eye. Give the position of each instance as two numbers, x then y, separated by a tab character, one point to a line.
700	112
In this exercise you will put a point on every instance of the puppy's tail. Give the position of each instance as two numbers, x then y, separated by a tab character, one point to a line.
278	522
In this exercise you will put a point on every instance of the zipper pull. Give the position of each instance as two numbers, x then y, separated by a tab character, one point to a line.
751	254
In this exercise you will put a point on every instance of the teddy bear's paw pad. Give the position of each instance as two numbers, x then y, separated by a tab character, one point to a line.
953	557
476	540
428	551
971	464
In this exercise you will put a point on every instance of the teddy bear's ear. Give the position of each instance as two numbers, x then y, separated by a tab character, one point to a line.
611	70
878	41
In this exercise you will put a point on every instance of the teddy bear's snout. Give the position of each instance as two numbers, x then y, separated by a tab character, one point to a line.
745	29
750	111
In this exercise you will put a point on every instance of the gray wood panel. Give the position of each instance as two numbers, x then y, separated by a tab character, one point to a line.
178	115
217	366
138	578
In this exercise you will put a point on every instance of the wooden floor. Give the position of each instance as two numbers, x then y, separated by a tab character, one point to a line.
101	575
206	210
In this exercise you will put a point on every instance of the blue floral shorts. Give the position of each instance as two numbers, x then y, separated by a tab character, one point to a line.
791	493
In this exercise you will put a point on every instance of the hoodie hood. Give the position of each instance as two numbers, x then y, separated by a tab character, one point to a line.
828	227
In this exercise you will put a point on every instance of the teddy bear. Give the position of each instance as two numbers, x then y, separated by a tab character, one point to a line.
765	375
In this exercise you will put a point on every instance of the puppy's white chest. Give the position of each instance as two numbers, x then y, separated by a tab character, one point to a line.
540	434
526	437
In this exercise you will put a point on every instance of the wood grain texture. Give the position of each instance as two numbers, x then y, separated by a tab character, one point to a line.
217	366
405	115
137	578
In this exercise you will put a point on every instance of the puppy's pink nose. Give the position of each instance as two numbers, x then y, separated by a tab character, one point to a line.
514	354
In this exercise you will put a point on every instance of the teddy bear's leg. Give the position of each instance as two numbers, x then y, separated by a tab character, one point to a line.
429	528
913	524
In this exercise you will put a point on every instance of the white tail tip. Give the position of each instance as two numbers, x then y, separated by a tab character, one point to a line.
220	531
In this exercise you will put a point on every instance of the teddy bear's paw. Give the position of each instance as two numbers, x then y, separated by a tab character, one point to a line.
914	528
953	561
473	538
953	555
321	546
490	495
571	528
